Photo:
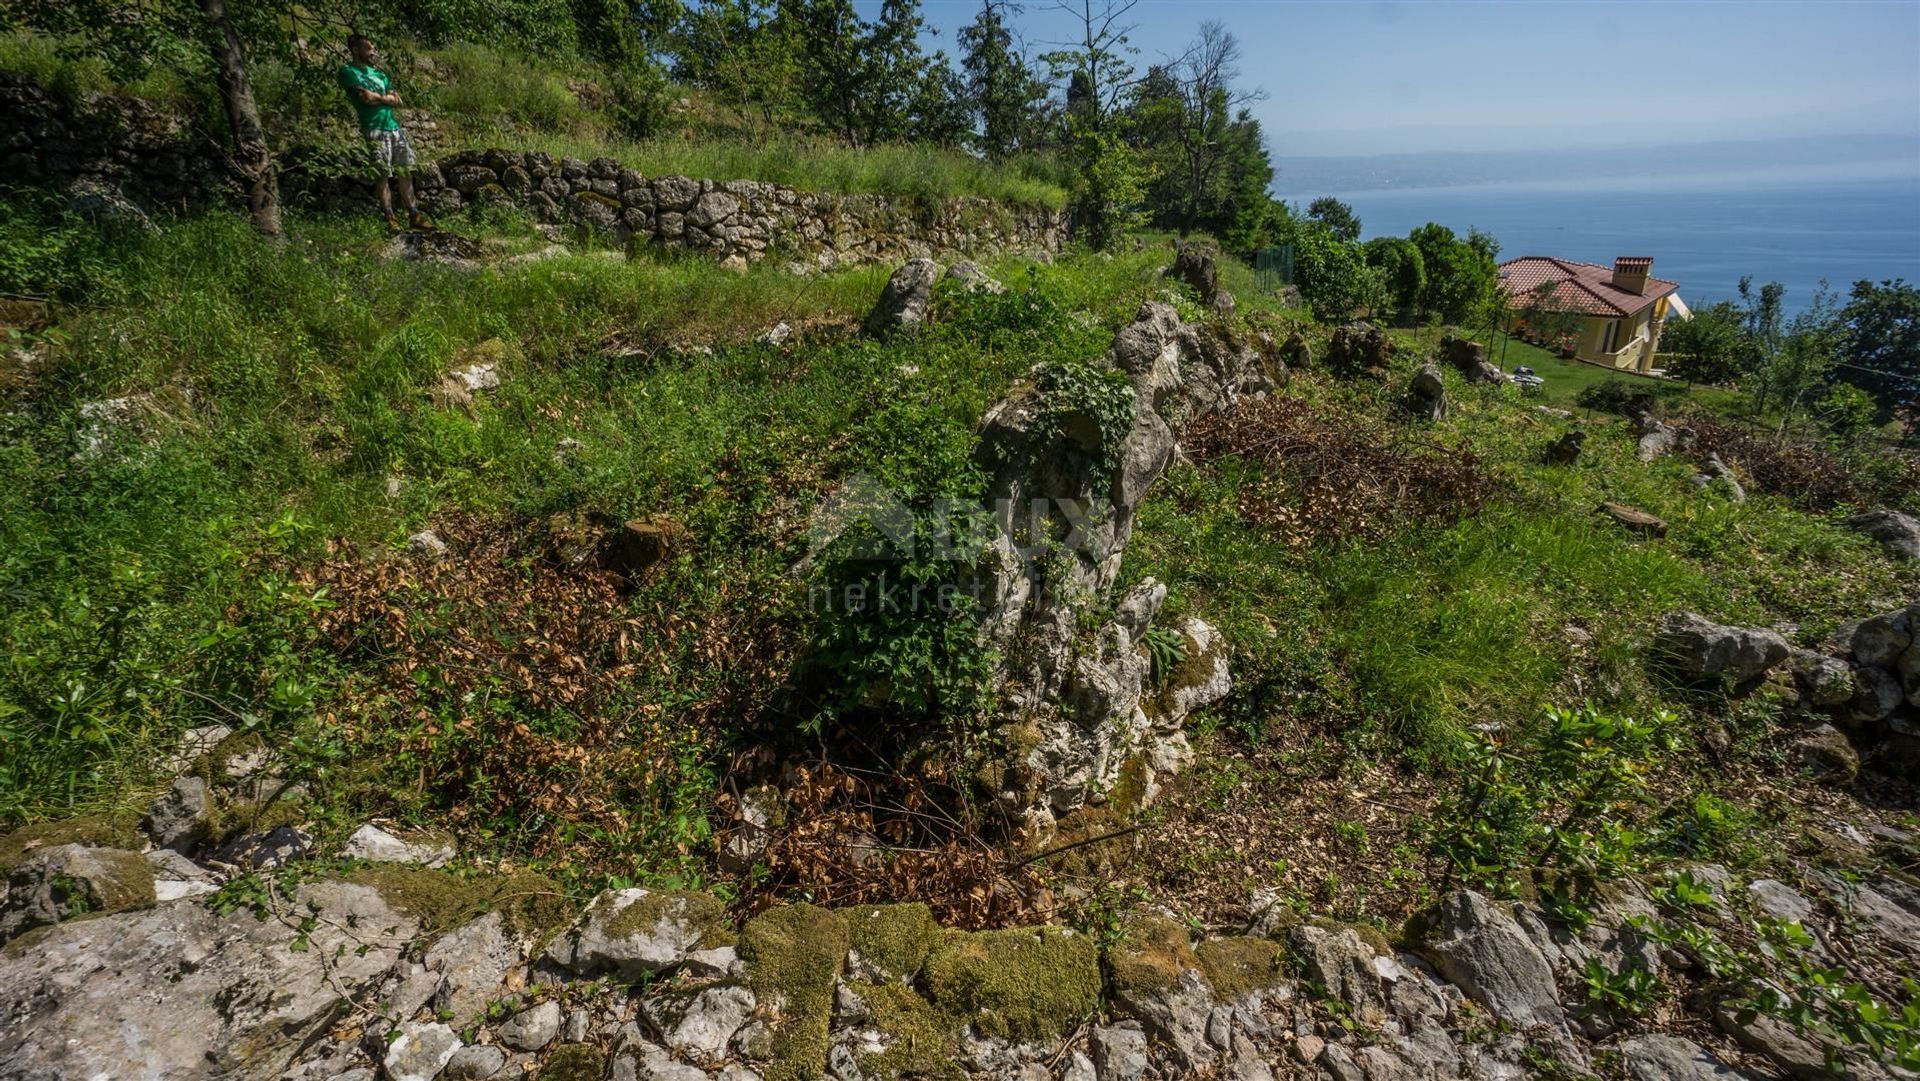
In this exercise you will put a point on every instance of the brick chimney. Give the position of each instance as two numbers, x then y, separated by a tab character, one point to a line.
1630	273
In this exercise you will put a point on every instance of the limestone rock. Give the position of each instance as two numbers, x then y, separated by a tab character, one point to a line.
1825	682
176	992
376	845
1633	519
261	851
968	275
1715	473
1566	449
176	877
1119	1051
903	303
1876	694
474	1063
635	932
421	1052
1657	1057
1427	394
1477	945
68	880
1827	755
179	818
1881	640
1360	347
427	545
1658	437
1341	962
532	1028
1198	267
1696	648
1469	358
470	964
700	1025
1898	533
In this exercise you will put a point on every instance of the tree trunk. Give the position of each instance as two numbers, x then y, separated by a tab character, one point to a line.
250	154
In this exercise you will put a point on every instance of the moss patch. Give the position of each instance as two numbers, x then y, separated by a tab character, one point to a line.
1235	966
894	939
1150	955
94	831
529	903
794	954
574	1062
1026	983
922	1044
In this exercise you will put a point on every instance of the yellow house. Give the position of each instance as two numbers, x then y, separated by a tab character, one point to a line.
1618	310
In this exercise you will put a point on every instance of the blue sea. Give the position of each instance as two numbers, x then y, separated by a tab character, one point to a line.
1796	227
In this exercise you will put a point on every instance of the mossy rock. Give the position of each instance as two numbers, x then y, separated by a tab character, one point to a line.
1374	937
921	1035
793	956
574	1062
1023	983
696	909
531	904
1150	955
94	831
216	764
1236	966
893	940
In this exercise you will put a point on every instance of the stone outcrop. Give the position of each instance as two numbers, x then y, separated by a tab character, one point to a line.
1566	449
105	149
1898	533
1657	437
1469	358
1358	348
1198	267
1427	394
1697	649
903	303
1066	483
1717	475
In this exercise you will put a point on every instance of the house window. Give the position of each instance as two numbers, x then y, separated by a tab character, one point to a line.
1606	342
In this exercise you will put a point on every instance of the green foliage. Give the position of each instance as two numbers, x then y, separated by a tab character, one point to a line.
1712	347
1401	265
1629	992
1008	93
1334	277
1880	345
1460	273
1074	394
46	249
1558	794
1338	217
1166	650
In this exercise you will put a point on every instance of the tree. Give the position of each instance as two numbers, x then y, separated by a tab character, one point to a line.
1402	270
1000	82
1337	216
1460	273
1109	178
1880	345
1192	106
1334	279
193	36
1712	347
1792	375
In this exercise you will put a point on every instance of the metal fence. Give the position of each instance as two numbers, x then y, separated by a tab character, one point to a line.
1273	267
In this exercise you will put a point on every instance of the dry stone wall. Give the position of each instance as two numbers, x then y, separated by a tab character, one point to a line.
103	142
734	221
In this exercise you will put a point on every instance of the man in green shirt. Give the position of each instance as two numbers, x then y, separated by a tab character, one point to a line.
373	98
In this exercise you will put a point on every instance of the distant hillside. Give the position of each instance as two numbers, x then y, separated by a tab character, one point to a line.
1348	173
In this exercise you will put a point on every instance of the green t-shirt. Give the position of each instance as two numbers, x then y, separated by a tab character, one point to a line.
373	117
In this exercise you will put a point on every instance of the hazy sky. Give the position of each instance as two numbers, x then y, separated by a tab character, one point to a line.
1363	78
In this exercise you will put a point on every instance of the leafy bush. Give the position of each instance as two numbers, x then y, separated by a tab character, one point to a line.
1630	398
46	249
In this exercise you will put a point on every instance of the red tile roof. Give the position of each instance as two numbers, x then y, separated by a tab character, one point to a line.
1578	287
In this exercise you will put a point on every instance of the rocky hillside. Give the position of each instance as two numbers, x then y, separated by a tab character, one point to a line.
517	653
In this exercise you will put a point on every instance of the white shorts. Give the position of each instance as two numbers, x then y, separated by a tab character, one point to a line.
389	150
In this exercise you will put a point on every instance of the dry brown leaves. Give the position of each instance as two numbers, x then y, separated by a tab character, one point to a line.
524	697
1807	474
1331	476
852	837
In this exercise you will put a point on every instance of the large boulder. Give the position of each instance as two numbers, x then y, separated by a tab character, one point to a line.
177	992
180	818
1656	1057
1469	358
1898	533
1198	267
903	303
1658	437
1697	649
